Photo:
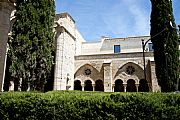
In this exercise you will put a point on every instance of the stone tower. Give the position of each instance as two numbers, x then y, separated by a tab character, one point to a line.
65	50
6	8
68	42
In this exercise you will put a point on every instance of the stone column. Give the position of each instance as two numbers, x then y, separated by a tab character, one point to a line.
6	7
137	86
125	86
93	87
107	77
82	87
113	85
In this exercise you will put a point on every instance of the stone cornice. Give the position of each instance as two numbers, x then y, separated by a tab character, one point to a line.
63	15
114	56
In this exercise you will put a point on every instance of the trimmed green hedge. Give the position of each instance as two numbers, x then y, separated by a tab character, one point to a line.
76	105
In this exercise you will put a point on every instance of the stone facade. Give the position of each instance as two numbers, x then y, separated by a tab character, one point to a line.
6	8
90	66
94	66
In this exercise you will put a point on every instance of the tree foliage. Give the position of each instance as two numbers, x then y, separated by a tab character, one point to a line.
31	45
165	45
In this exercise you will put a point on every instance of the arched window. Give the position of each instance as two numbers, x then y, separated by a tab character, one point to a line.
131	86
88	86
143	86
99	85
77	85
118	86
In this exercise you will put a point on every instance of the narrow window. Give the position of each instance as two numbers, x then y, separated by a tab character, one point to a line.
150	47
117	48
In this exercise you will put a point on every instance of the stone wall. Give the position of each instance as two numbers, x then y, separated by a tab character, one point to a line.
113	68
155	86
68	44
106	45
6	8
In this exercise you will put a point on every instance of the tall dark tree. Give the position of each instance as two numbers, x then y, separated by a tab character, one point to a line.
31	45
165	42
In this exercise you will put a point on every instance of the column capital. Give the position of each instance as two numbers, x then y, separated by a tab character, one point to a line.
125	84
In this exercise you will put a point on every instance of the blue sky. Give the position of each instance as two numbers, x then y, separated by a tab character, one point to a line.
112	18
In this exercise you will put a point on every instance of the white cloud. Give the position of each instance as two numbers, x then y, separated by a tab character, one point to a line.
127	18
141	21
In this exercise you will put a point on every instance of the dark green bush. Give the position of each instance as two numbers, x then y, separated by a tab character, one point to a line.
76	105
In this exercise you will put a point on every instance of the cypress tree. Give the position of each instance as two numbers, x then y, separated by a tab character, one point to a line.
165	45
31	45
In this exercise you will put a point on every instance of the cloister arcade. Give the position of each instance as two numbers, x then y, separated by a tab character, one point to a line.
128	78
118	87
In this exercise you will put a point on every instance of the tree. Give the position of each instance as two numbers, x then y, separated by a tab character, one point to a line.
165	45
31	46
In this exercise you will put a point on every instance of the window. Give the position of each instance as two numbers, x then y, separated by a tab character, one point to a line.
130	70
87	72
150	47
117	48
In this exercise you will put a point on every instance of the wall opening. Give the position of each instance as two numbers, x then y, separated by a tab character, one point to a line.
88	85
77	85
99	85
143	86
118	86
131	86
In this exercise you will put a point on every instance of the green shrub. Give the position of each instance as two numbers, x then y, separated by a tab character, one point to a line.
70	105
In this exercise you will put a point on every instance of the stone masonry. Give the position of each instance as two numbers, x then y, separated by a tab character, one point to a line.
6	8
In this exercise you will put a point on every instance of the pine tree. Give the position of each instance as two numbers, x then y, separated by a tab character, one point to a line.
165	45
31	45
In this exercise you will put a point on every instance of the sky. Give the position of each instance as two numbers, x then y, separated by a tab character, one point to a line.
111	18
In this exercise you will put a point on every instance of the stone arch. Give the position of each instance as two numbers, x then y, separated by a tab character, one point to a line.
77	85
131	87
88	64
132	62
133	77
136	72
143	86
99	85
88	72
88	85
118	86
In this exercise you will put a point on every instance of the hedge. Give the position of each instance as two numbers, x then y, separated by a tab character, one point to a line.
76	105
